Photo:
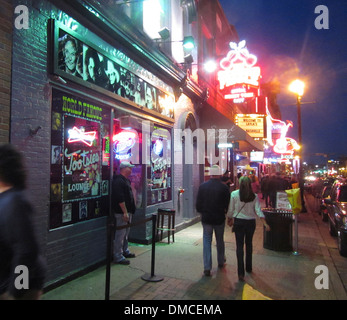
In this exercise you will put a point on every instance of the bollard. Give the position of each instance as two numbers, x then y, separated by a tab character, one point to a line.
152	277
296	250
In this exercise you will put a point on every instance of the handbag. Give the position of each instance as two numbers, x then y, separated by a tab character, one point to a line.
232	229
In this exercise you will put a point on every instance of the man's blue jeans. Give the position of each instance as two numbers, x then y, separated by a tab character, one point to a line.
207	242
121	238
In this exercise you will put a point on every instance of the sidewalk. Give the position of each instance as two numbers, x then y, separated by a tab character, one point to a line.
275	276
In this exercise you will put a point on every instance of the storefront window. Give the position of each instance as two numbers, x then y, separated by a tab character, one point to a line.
79	160
159	170
127	146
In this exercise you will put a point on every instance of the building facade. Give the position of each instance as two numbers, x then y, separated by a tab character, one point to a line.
93	84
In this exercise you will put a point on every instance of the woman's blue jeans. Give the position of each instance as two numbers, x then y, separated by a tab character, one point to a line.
207	243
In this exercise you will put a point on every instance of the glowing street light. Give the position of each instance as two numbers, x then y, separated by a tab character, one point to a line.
297	87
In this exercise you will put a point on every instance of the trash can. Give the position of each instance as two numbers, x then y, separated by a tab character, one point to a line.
280	237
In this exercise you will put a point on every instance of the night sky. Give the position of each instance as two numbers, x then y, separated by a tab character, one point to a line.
282	34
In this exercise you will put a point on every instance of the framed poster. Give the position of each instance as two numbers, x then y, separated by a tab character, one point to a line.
80	166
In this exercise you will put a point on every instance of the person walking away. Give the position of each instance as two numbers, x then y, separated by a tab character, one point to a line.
19	247
272	188
264	186
243	209
255	184
124	207
212	203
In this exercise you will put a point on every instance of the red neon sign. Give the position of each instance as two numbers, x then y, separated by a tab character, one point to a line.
79	135
238	68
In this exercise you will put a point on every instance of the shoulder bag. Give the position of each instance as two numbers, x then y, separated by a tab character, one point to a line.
232	229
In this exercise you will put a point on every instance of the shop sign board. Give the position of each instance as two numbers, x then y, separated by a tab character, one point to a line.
253	124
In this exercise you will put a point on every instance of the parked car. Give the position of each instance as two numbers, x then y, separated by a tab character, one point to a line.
337	214
325	194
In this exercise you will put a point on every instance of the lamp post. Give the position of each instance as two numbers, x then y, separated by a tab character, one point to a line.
297	87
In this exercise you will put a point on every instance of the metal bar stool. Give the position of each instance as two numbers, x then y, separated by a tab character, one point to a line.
170	226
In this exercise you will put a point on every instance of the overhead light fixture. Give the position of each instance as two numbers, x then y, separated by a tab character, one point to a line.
188	59
164	33
210	66
188	42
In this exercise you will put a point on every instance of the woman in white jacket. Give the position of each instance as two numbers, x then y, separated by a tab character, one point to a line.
244	208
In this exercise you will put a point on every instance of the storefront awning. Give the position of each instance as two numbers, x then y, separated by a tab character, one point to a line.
212	119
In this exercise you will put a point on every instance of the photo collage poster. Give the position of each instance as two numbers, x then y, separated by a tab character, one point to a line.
79	174
81	61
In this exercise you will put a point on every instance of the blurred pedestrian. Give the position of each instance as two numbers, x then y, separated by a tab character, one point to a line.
22	268
264	187
123	203
243	209
255	184
272	189
212	203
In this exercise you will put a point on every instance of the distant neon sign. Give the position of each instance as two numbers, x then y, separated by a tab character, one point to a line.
284	145
79	135
238	68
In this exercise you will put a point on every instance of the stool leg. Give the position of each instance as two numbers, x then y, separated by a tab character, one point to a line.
173	228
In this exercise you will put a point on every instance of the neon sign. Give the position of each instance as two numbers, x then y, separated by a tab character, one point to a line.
79	135
283	145
238	68
239	95
123	142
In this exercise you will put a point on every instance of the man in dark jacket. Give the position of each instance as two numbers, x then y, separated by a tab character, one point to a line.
22	267
212	203
124	207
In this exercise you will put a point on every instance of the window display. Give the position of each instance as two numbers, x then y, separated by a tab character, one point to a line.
159	171
80	166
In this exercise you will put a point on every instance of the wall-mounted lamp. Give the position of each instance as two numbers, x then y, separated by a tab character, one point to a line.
188	59
178	90
164	33
187	42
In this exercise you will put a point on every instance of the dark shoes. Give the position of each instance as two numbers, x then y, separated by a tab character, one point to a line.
123	262
207	273
241	278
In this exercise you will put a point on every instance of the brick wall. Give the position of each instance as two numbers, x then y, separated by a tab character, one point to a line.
6	27
70	249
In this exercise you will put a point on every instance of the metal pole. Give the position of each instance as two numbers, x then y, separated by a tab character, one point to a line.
110	219
296	250
301	176
152	277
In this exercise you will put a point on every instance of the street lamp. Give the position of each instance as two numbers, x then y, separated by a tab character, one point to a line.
297	87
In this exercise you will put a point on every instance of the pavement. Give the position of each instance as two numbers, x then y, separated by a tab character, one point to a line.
276	275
